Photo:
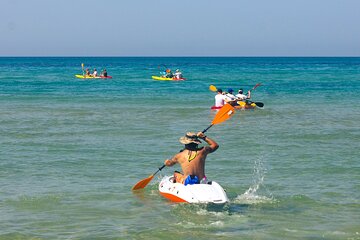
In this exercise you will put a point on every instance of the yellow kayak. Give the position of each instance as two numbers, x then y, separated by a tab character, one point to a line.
166	79
82	76
245	105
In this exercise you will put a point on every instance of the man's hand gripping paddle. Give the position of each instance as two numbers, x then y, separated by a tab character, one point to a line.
223	114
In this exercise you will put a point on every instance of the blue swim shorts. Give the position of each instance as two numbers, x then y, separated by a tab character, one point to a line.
191	179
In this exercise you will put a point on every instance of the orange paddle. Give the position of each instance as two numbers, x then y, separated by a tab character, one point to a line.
142	184
223	114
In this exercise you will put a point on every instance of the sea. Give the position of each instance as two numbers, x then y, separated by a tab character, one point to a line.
71	149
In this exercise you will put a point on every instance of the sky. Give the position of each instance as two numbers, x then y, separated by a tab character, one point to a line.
180	28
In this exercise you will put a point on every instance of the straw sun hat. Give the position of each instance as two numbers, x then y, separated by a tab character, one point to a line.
190	137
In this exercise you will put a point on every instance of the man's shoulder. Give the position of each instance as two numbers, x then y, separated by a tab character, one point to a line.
182	153
204	150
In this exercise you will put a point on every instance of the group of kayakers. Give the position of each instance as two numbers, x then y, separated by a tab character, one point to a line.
95	73
169	74
222	97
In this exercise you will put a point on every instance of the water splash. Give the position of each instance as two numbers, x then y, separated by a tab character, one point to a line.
251	196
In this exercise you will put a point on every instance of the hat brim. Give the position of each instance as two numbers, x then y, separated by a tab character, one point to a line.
185	140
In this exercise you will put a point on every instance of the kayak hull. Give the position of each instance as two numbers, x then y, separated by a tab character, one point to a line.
90	77
210	192
245	105
159	78
240	105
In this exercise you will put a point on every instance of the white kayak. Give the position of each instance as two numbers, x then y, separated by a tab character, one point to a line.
210	192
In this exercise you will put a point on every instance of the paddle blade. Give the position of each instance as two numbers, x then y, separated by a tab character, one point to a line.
256	86
224	114
259	104
213	88
143	183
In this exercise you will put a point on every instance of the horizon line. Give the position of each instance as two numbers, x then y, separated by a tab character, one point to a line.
135	56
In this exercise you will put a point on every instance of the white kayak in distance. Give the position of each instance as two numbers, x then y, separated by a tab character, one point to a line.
210	192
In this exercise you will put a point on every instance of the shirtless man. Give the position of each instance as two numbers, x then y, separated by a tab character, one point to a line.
192	158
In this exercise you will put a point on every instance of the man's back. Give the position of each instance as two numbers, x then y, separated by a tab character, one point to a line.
192	162
219	100
192	158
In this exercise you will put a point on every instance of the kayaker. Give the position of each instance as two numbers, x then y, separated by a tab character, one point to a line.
95	73
168	73
192	158
104	73
230	97
242	96
87	72
178	74
219	98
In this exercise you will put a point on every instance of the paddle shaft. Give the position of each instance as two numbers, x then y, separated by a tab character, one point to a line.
203	131
258	84
160	168
259	104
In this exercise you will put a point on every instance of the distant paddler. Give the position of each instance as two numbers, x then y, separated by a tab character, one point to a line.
95	73
87	73
241	96
168	73
104	73
178	75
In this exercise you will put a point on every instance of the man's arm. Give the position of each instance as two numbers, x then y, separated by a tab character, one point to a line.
212	144
170	162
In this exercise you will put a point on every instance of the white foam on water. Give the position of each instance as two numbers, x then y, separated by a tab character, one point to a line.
205	212
247	198
217	224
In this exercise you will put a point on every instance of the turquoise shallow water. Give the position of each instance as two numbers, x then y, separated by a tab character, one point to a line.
71	149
